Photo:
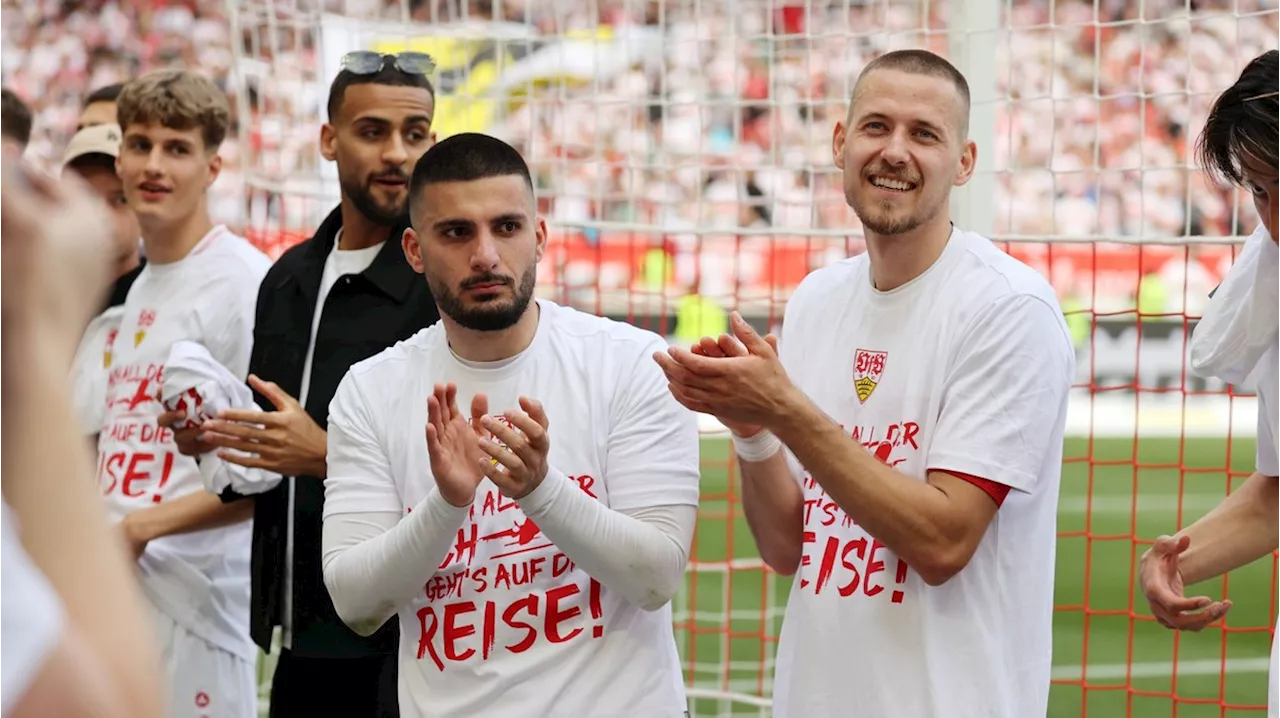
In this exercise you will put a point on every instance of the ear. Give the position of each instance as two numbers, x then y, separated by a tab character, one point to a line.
541	235
968	162
412	250
328	142
837	144
215	169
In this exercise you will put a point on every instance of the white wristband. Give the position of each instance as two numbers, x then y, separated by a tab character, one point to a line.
756	448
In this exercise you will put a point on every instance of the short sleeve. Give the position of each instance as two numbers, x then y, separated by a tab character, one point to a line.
1001	413
1267	462
652	451
360	479
31	620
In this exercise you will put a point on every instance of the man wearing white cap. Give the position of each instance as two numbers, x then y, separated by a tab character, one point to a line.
91	155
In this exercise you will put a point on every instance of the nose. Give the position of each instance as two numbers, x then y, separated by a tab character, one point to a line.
394	153
154	161
895	149
484	256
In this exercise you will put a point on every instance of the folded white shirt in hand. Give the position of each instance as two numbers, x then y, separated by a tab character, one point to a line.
195	383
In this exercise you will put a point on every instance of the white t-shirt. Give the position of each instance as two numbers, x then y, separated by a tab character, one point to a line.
966	368
340	263
1267	380
89	368
199	579
507	624
32	615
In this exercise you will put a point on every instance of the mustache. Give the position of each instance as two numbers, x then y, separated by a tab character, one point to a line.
395	175
886	173
486	278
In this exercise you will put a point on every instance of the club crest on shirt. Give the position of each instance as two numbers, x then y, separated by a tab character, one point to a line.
106	352
146	318
868	366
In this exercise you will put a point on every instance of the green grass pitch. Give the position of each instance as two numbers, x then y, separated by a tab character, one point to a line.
730	612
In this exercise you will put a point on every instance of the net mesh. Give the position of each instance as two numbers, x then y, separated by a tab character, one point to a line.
681	152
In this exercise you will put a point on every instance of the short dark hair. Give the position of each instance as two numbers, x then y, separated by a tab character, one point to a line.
388	75
1242	122
922	62
15	117
109	93
465	157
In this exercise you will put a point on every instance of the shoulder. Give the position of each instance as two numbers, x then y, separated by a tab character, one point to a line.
235	258
601	339
393	365
986	285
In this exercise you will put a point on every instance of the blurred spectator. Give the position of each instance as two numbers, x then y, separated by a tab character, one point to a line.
15	120
100	107
727	122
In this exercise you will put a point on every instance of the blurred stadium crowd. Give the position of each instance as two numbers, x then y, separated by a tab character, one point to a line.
731	125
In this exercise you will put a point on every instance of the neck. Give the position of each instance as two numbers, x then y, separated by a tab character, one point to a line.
170	242
128	264
358	231
492	346
899	258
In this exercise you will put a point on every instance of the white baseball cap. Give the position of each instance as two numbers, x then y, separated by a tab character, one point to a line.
94	140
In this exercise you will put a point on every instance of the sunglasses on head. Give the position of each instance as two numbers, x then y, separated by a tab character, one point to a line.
367	62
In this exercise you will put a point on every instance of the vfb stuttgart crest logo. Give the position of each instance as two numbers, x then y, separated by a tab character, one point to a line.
868	366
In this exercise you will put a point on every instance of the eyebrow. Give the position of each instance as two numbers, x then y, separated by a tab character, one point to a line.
919	123
452	222
410	120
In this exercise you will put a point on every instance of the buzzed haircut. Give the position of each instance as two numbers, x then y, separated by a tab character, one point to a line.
1242	122
465	157
179	100
922	62
389	75
109	93
15	117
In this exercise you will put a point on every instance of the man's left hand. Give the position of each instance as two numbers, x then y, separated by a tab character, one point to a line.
747	385
519	463
286	441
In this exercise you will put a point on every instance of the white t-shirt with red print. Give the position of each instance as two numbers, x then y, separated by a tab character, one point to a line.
199	579
507	624
965	369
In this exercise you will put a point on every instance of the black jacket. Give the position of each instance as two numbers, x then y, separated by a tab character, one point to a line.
363	315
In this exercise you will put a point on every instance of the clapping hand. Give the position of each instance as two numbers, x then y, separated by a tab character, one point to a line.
453	444
519	461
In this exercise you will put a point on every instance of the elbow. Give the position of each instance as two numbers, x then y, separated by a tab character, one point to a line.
939	565
783	560
361	622
363	619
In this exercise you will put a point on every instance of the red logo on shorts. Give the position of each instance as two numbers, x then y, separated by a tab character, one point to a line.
202	699
868	366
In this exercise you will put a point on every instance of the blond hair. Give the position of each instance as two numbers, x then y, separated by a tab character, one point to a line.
179	100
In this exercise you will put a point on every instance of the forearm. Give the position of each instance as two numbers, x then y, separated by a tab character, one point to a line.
1237	531
643	559
375	563
198	511
909	516
774	506
50	487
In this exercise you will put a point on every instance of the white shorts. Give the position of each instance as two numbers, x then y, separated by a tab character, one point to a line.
204	681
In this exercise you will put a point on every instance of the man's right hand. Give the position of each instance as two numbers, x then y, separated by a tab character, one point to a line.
453	443
1161	581
187	440
729	346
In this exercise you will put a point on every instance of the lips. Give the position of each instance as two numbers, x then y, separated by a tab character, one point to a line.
891	184
391	181
153	190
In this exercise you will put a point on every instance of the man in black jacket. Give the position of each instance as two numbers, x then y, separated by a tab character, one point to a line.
334	300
